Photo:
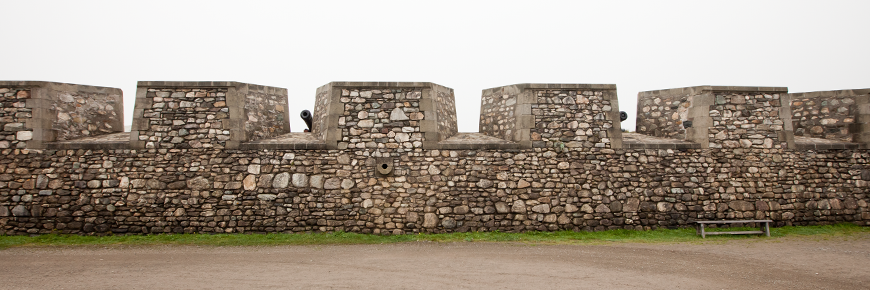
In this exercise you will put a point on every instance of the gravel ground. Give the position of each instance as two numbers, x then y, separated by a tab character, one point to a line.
777	263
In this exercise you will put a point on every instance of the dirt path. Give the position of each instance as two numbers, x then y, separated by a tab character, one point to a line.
785	263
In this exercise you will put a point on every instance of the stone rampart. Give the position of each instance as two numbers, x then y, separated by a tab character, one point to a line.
830	114
384	167
207	114
552	115
36	113
718	116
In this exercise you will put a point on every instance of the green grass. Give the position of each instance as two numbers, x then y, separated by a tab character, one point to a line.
343	238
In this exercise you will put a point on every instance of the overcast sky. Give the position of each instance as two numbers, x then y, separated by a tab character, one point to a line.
465	45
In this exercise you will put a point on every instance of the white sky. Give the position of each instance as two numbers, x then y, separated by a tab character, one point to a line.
465	45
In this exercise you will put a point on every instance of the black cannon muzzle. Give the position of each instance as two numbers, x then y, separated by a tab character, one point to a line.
306	116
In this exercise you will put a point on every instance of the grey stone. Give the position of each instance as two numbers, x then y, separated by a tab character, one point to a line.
197	183
541	208
267	197
46	192
448	223
316	181
41	181
518	207
20	211
430	220
300	180
281	180
4	211
347	184
740	205
398	115
501	207
332	183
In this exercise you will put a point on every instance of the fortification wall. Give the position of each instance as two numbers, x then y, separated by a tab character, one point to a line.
662	113
43	112
718	116
829	115
207	114
209	190
382	166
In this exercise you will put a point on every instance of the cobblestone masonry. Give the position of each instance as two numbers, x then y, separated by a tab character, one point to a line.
446	112
571	118
276	189
830	115
663	116
186	118
498	116
721	116
207	114
266	115
59	111
745	120
13	116
383	119
207	190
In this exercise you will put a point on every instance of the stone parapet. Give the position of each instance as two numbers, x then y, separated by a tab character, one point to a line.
207	114
384	118
552	115
718	116
36	113
841	115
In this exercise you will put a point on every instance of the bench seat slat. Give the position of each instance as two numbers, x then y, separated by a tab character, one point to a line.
734	222
734	233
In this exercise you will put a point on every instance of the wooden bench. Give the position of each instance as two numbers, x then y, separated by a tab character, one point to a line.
764	225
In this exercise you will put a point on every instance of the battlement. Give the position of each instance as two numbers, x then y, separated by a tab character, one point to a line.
386	158
36	113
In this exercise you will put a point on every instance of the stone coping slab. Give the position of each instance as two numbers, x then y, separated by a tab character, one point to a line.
296	140
698	89
641	141
854	92
44	83
809	143
382	85
110	141
553	86
207	84
462	141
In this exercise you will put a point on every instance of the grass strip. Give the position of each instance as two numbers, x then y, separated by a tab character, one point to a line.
344	238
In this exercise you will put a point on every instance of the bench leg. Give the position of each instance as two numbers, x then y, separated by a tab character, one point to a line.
703	234
767	229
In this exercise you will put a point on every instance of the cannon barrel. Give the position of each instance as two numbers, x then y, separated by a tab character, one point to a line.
623	116
306	116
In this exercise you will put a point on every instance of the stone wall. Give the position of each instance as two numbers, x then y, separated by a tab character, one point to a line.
207	114
384	116
59	111
384	171
829	115
746	119
719	116
382	120
267	113
662	115
572	118
14	114
445	112
209	190
547	115
498	112
185	118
